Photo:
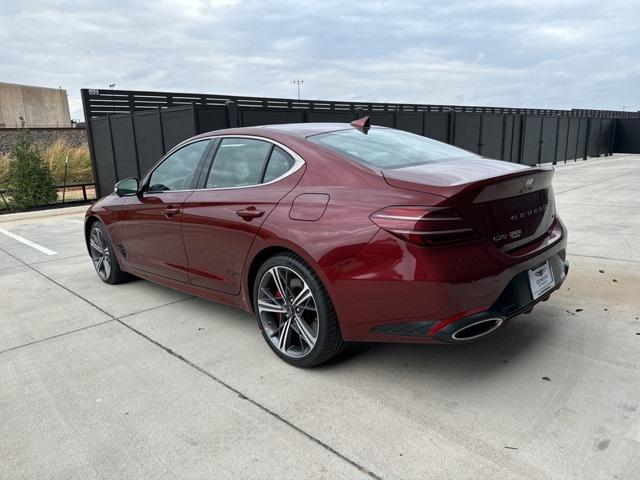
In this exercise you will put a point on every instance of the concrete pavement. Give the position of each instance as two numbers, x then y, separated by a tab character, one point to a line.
139	381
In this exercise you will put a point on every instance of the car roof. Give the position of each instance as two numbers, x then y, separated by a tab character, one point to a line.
297	130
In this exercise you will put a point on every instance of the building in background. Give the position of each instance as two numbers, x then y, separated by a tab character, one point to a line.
39	106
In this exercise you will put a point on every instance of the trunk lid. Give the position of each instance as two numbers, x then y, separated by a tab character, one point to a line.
510	204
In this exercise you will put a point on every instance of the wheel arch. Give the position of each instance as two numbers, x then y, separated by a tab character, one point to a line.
268	251
257	261
88	223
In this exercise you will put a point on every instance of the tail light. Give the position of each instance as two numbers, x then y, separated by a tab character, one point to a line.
424	226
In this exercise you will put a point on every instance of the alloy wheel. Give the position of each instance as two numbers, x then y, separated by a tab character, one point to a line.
288	311
100	253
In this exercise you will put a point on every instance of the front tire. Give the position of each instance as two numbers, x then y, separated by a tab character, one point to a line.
103	255
294	312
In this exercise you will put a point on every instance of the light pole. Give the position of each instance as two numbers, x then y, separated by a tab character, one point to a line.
298	83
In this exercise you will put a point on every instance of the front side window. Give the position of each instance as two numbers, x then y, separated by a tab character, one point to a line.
176	172
239	162
387	148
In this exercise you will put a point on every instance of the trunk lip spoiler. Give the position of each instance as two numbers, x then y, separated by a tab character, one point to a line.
462	190
530	185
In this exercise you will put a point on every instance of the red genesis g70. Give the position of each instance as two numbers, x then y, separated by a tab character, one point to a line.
332	233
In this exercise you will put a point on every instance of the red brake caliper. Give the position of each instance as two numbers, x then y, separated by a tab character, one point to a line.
277	296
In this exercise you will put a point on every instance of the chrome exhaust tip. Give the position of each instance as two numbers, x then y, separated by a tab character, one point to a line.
477	329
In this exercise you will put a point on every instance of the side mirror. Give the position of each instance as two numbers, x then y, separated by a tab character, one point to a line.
126	187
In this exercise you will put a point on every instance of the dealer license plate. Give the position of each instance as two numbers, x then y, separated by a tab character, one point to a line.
541	280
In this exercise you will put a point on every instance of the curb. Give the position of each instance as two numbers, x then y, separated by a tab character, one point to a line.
54	212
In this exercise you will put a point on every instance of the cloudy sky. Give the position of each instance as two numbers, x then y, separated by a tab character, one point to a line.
580	54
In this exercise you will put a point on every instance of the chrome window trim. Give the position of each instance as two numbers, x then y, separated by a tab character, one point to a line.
298	163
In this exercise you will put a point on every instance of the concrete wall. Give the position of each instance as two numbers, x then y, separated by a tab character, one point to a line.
39	106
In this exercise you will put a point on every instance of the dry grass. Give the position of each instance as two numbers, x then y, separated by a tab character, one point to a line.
78	169
4	170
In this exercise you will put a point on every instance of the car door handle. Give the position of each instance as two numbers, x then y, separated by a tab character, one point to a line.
171	211
249	213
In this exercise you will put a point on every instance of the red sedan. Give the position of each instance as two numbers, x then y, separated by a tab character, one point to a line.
332	233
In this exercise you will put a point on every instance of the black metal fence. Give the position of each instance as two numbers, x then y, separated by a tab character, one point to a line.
627	139
71	193
129	131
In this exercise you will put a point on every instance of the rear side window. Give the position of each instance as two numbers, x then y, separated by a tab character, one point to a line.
238	162
279	163
387	148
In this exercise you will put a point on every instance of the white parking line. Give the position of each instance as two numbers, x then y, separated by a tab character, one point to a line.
28	242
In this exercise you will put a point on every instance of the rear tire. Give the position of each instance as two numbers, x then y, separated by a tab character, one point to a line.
294	312
103	255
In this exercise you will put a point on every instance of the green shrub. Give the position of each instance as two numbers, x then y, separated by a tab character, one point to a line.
30	179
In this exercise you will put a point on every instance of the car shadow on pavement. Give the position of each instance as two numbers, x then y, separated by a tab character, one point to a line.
511	344
523	338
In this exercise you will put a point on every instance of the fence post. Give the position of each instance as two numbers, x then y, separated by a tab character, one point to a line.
164	150
196	120
540	141
598	138
64	186
232	113
84	93
113	150
612	135
586	146
480	143
504	136
6	204
566	140
555	150
509	117
135	143
451	127
523	131
575	152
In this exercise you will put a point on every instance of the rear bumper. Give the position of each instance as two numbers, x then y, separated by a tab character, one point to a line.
514	300
402	293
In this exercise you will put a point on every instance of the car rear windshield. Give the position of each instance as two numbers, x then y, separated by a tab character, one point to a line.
387	148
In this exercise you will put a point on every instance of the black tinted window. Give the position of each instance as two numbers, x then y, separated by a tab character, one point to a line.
387	148
279	163
177	170
238	162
